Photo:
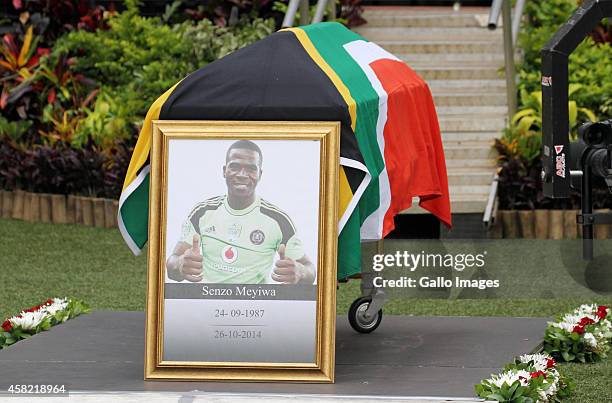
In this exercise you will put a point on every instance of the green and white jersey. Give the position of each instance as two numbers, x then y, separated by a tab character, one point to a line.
239	246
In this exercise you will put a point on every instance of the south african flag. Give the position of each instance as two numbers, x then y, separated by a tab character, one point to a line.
391	149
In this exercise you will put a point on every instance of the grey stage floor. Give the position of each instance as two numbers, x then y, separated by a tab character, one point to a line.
406	356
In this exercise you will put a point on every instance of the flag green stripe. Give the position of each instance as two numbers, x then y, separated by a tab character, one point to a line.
328	39
135	213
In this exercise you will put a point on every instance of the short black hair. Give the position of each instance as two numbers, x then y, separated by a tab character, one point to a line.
245	145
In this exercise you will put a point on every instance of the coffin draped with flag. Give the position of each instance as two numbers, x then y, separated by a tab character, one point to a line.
390	152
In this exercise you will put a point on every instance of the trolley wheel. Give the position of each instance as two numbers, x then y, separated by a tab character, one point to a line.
357	319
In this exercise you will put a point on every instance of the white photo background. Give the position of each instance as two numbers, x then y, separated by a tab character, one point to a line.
290	180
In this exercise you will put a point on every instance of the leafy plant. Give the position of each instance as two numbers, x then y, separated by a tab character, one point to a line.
40	318
530	378
17	68
14	130
54	18
584	335
523	140
104	124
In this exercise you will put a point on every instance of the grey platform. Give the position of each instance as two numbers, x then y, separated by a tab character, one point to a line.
405	357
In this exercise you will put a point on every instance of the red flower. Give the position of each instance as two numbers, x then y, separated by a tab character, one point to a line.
578	329
550	362
538	373
602	311
601	315
48	302
7	326
586	321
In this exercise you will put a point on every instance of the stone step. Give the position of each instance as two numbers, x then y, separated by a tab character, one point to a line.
469	190
465	59
470	136
467	85
469	150
472	123
456	73
487	109
470	100
451	20
429	34
470	176
448	45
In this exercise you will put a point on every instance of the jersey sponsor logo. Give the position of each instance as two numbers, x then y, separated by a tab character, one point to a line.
229	254
233	232
546	81
209	230
257	237
558	149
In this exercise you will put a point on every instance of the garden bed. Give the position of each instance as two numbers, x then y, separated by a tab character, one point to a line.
545	224
58	209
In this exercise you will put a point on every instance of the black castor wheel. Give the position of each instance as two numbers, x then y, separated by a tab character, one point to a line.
357	319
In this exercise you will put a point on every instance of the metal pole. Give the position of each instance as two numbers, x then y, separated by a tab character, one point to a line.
320	12
304	13
291	11
516	22
509	58
331	16
494	14
587	208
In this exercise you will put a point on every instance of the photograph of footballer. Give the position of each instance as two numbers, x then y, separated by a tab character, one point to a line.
239	237
243	228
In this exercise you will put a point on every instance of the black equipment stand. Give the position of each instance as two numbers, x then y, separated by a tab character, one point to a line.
595	156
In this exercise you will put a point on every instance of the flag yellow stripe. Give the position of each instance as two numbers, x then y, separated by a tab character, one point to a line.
318	59
345	193
143	145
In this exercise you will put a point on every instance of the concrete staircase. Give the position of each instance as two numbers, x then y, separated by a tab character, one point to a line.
462	62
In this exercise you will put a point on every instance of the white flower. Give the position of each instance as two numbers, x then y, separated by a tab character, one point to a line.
509	377
586	309
590	340
567	323
29	320
58	304
539	360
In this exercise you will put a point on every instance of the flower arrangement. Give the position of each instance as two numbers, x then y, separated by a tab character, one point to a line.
530	378
583	335
39	318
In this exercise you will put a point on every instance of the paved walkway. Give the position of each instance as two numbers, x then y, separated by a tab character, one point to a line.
406	359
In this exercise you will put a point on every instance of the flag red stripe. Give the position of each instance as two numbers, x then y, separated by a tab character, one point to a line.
414	155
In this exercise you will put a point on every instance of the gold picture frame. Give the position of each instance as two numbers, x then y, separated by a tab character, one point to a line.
179	311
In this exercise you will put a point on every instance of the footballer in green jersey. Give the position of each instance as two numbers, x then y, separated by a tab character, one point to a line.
235	238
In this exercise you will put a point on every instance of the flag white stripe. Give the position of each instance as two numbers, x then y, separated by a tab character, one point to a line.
365	53
362	187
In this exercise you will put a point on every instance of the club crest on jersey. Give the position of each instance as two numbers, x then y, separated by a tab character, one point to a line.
257	237
233	232
229	254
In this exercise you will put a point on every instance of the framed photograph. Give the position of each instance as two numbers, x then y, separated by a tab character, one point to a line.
243	230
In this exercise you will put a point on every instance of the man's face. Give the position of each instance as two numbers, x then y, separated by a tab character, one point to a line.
242	172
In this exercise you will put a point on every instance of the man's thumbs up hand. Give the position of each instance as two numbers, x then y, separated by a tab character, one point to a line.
190	262
195	245
286	270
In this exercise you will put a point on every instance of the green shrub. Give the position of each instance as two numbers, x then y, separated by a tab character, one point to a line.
590	78
589	64
139	58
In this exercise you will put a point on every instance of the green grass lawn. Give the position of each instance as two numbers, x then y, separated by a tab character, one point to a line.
38	261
